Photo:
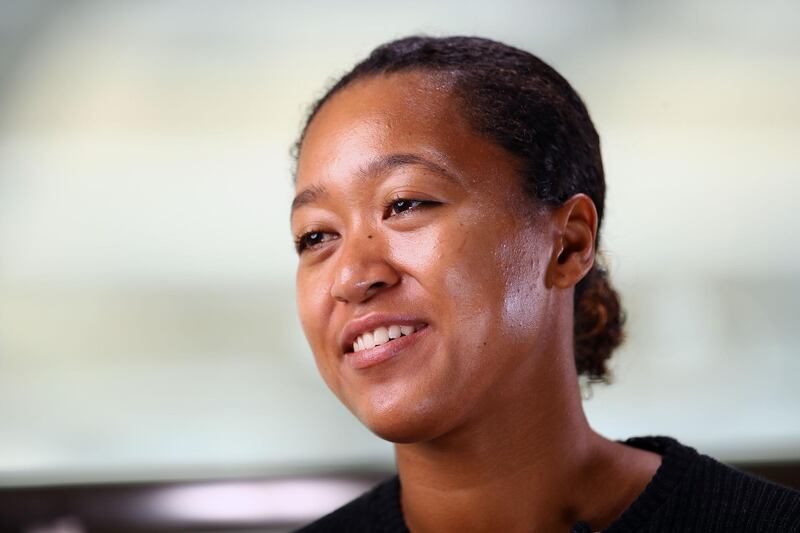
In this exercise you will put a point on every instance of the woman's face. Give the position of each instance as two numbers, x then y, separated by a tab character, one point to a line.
406	217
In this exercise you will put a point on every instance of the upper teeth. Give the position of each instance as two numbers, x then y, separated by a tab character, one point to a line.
382	335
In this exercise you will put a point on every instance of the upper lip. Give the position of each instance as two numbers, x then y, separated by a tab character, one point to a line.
370	322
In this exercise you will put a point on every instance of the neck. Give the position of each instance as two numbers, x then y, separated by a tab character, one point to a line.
530	464
506	463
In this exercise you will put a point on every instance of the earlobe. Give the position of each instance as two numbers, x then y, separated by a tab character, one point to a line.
575	235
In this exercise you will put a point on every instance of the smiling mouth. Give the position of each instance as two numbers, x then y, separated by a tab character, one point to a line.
382	335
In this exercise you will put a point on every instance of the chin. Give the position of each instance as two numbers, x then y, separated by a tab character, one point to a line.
401	433
402	424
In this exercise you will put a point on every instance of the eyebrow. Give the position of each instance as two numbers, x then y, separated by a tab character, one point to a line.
375	167
308	196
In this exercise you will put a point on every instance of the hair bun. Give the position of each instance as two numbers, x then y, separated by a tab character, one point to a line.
599	321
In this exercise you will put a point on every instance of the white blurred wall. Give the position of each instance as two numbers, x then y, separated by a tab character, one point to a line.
147	317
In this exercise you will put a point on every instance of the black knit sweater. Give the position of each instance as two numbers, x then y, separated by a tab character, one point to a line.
689	492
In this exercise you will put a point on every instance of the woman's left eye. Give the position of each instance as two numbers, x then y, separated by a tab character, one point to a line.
399	206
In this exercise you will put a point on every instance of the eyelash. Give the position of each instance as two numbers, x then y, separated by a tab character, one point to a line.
301	243
398	200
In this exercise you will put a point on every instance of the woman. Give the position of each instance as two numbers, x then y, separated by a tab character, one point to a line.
449	200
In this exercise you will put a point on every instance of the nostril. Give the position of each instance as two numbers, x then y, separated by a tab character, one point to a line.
361	278
378	285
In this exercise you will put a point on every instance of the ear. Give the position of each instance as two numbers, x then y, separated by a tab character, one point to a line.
575	236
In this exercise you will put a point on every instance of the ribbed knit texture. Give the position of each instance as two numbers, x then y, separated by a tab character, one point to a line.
689	492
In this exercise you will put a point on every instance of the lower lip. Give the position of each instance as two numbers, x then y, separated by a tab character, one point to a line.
378	354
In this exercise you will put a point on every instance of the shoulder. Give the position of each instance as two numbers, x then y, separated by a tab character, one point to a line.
377	510
692	491
742	501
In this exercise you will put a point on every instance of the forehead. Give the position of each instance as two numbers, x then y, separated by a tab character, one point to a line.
375	114
411	99
407	113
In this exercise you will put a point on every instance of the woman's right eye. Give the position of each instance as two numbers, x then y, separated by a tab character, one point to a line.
311	239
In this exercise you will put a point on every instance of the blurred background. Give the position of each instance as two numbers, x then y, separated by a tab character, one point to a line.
153	374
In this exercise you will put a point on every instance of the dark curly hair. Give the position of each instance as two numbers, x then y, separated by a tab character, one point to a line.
519	102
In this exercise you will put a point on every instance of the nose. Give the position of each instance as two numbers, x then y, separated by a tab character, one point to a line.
363	269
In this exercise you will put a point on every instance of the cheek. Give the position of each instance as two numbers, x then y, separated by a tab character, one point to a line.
313	307
456	265
418	253
472	293
462	288
523	315
492	288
